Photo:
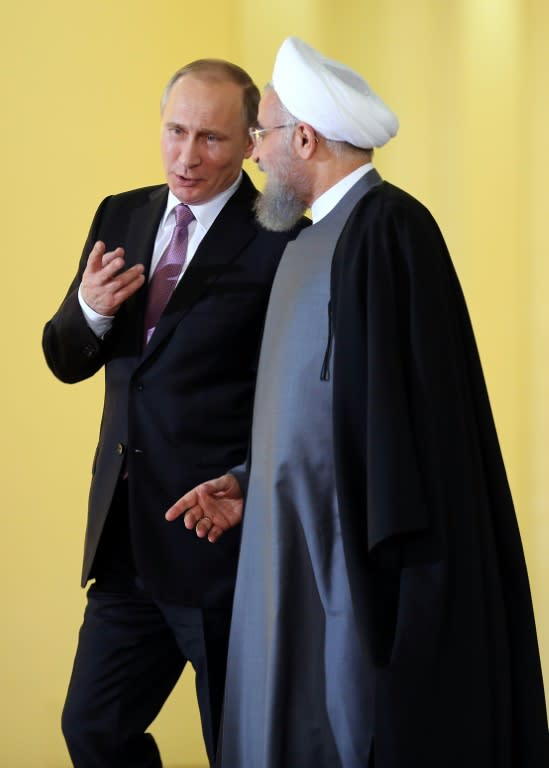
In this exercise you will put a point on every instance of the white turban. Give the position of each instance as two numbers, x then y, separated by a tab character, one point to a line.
330	97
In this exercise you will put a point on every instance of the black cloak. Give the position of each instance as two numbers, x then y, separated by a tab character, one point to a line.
437	571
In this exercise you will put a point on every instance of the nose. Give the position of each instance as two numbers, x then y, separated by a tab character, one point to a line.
189	155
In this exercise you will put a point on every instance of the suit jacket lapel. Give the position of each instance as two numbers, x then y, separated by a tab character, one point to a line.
139	245
227	237
143	227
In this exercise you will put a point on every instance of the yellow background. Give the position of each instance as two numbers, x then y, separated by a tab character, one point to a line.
81	83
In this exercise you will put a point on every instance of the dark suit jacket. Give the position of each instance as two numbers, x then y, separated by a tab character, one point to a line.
177	412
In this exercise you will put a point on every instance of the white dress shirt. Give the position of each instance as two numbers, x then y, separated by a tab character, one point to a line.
329	199
204	216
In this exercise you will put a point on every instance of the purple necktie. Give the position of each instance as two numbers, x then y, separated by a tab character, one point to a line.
168	270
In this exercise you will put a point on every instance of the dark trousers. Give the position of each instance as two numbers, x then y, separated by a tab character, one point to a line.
131	652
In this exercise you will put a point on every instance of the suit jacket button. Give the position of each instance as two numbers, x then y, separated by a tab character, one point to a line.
120	448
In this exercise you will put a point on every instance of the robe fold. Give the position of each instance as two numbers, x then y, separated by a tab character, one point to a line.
382	614
438	578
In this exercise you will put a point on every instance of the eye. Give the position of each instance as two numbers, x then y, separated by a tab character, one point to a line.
175	130
211	138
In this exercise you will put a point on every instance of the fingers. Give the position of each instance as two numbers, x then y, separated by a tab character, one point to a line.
193	504
95	259
211	508
199	504
181	506
99	259
214	533
112	263
110	256
125	284
205	527
193	516
105	283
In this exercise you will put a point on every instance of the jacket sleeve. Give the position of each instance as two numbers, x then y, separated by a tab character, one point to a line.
72	351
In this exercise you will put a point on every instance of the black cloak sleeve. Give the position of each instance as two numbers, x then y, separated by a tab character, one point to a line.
435	561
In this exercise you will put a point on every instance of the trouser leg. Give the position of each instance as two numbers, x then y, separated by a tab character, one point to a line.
127	662
203	637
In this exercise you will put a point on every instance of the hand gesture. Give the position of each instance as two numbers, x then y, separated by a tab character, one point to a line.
105	284
210	508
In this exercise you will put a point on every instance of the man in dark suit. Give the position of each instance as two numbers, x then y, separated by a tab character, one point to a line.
178	400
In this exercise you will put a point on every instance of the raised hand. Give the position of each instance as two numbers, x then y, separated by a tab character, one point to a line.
105	283
210	508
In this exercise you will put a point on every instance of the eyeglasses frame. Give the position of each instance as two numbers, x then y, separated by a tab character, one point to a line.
256	134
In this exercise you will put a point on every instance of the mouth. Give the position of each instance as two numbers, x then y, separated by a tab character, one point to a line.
187	181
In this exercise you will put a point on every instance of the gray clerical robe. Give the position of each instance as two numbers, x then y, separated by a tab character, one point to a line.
382	612
296	694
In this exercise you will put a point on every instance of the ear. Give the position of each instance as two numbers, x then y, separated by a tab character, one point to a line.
249	148
305	140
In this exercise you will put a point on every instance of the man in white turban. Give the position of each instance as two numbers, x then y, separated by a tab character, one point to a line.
382	614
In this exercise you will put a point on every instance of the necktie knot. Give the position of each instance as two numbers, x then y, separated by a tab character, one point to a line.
183	215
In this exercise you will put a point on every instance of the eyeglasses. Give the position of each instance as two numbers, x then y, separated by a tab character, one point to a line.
258	133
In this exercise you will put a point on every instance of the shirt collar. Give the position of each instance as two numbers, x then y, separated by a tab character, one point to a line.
329	199
204	213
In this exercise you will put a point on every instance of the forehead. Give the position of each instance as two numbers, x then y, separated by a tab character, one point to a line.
269	106
201	98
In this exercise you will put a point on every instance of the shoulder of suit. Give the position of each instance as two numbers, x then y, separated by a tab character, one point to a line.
141	193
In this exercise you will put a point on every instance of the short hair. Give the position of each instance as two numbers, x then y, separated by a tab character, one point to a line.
220	70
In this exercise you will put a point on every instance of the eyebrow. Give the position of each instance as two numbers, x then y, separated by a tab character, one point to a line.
201	131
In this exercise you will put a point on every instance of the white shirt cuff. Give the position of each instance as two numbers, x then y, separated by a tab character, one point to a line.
99	324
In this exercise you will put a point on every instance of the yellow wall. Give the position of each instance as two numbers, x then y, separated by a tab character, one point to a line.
81	83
